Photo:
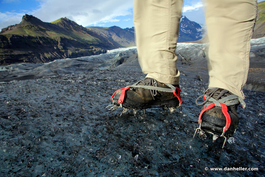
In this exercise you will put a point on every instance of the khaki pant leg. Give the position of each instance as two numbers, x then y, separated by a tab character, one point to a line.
229	24
156	29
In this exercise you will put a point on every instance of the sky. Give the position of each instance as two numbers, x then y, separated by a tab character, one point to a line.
104	13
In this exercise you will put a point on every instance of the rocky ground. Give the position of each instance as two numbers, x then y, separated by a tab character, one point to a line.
54	122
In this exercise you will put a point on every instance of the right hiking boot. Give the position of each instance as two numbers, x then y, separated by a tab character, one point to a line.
219	113
145	94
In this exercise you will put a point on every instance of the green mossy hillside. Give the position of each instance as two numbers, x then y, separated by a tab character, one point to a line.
35	41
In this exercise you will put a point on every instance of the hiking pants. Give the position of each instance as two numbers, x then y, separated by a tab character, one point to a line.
229	28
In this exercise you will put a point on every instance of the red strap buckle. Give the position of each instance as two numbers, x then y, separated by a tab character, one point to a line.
122	96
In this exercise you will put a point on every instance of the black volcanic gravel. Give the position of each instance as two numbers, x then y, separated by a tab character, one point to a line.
58	126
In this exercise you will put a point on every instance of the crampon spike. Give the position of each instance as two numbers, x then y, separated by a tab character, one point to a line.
197	129
215	137
112	107
172	109
135	111
124	111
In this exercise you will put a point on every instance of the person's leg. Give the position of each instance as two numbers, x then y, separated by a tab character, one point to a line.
156	28
229	26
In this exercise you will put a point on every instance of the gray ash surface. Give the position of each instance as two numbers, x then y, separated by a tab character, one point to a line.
57	125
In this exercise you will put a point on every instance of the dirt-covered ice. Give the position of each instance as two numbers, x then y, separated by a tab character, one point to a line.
56	124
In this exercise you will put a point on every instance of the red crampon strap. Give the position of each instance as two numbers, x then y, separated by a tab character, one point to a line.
227	116
122	96
178	95
224	111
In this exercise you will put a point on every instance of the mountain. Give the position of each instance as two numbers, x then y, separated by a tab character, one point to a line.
125	37
189	30
259	30
34	41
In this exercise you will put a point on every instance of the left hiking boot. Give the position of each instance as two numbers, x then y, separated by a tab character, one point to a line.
145	94
219	113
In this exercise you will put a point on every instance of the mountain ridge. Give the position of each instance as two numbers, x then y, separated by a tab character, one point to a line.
125	37
34	41
188	31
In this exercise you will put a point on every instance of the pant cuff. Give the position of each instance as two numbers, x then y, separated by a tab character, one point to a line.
219	84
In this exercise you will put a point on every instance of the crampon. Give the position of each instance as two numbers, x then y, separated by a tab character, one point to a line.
219	114
145	94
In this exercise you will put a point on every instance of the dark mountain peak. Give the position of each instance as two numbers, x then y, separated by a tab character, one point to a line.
65	21
185	21
130	29
115	28
189	30
27	20
184	18
30	19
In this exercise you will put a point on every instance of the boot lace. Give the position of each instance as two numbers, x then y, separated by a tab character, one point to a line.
149	82
217	96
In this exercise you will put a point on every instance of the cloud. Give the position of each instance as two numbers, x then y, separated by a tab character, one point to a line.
193	7
9	18
84	12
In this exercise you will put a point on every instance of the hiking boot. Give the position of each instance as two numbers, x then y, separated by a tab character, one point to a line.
145	94
219	114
